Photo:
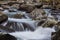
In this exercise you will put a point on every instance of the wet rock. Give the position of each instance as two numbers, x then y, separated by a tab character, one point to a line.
57	26
7	37
15	26
20	26
41	22
58	23
12	9
27	8
28	27
3	17
56	35
19	16
6	29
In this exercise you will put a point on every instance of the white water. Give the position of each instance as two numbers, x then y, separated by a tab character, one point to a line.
39	34
28	21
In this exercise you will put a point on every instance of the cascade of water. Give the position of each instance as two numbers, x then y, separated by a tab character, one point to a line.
38	34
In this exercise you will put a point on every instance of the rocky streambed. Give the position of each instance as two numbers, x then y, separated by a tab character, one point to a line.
22	21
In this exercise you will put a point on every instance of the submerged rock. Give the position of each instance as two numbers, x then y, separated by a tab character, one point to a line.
20	26
15	26
18	16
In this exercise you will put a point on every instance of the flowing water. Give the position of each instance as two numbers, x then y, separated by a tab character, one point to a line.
39	34
36	33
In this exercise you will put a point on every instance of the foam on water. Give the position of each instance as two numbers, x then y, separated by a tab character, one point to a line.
38	34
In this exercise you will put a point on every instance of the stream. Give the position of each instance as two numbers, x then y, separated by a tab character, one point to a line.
31	31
